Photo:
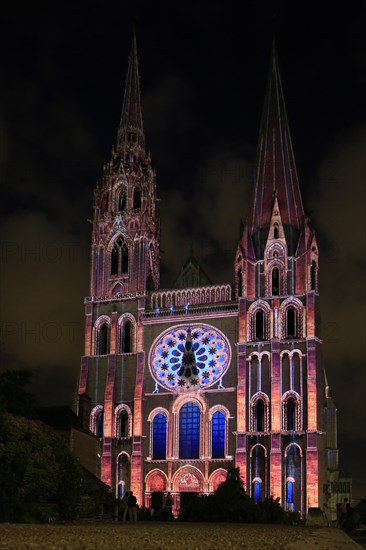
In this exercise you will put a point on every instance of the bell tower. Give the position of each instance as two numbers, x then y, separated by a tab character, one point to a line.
126	226
125	263
280	439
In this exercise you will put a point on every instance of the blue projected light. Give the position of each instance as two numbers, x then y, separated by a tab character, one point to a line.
218	435
185	358
257	490
189	431
159	437
290	492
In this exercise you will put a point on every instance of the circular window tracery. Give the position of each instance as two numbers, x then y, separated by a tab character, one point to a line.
187	358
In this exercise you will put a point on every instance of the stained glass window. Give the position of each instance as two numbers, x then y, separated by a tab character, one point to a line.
159	436
186	358
218	435
189	431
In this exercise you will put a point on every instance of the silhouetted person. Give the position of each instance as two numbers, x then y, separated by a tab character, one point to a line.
132	512
168	505
343	509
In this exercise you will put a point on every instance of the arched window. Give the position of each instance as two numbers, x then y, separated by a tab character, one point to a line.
259	324
159	436
123	474
189	431
313	275
290	413
99	424
123	424
218	435
121	202
240	283
293	477
275	231
103	340
291	322
137	199
119	257
126	338
259	415
275	282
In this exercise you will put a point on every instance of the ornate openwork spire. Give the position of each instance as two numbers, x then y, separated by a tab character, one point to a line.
275	167
131	112
131	139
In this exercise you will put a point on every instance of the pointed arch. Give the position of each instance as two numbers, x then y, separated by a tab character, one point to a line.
96	423
126	334
259	316
119	255
188	478
218	423
258	472
158	419
123	474
291	314
293	477
156	481
123	421
291	411
101	335
259	413
218	476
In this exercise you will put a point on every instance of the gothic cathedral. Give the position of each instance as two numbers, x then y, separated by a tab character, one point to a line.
181	384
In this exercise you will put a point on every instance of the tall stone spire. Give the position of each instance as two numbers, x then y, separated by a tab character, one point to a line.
131	112
131	138
275	167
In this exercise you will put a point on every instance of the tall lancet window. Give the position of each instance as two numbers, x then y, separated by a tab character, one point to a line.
313	275
103	340
275	231
137	199
122	202
123	424
189	431
275	282
259	416
240	283
159	436
259	324
126	346
119	257
291	408
218	435
291	322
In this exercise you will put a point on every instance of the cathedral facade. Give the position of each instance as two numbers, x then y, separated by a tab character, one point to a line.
181	384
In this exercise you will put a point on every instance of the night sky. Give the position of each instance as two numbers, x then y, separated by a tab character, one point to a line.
203	68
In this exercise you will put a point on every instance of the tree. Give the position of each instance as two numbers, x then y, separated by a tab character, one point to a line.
14	396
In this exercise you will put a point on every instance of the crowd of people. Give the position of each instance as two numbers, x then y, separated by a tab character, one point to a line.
127	508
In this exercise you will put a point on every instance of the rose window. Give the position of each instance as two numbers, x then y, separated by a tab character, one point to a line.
185	358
